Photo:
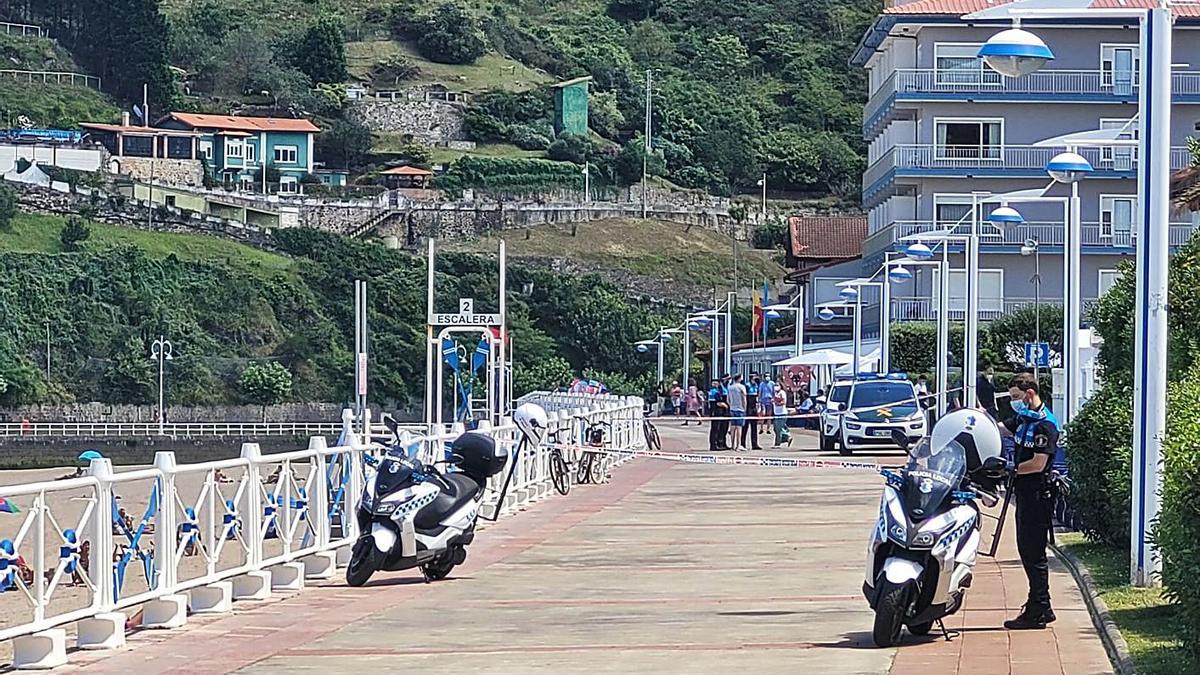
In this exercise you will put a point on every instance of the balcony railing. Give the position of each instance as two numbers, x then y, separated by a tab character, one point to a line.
1043	85
1047	233
1000	160
925	308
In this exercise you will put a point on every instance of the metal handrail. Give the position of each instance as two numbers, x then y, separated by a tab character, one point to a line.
303	502
147	429
52	77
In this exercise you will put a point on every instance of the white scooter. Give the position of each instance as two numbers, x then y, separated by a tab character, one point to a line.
414	515
925	542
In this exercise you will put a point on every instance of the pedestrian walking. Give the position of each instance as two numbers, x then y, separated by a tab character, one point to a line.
737	411
779	411
693	399
1035	431
718	410
676	399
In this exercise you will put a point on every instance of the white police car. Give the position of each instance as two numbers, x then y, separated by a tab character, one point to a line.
831	417
877	406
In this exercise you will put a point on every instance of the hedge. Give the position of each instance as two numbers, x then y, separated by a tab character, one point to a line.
1177	531
1098	451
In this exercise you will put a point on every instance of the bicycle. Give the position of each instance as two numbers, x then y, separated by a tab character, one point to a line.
591	465
560	468
650	431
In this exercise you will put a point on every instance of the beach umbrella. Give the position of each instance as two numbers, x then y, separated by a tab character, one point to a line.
89	455
8	507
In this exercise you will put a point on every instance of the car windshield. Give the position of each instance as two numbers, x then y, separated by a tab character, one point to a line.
931	473
872	394
840	393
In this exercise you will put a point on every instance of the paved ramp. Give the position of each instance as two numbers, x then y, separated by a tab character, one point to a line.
670	568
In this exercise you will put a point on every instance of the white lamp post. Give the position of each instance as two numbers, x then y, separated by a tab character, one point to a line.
1032	248
160	350
1153	250
795	305
1070	168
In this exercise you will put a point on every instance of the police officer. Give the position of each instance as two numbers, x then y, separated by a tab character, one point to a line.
752	413
1035	431
718	410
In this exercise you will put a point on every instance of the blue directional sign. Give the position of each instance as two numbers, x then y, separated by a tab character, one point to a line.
1037	353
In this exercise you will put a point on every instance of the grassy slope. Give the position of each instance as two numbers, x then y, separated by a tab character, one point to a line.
1144	615
699	258
35	233
51	105
490	71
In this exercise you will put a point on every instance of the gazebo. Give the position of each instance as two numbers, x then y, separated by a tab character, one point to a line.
406	177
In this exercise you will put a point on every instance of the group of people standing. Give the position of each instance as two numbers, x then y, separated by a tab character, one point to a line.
739	410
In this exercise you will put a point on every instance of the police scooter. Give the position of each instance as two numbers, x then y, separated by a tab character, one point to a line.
925	542
413	514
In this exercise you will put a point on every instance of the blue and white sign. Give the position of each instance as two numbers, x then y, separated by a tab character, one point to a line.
1037	353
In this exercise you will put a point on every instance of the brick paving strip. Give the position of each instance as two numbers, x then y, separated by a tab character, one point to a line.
225	644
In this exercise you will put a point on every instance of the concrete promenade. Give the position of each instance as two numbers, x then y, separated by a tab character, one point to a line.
669	568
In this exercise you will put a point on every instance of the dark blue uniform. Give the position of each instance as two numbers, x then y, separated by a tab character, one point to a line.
751	427
1034	432
718	429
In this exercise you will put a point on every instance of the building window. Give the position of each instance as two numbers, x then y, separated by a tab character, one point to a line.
169	200
286	154
957	64
991	290
250	153
288	184
1119	65
233	149
246	183
206	150
1116	219
1107	279
1120	158
969	138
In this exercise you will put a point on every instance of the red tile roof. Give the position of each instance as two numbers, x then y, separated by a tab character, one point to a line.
238	123
827	237
406	171
960	7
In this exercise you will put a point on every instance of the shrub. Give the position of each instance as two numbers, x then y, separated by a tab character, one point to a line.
913	346
570	148
771	234
447	33
1098	450
73	234
8	206
527	137
1177	531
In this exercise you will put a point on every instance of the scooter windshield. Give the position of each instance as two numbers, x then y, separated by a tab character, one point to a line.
930	475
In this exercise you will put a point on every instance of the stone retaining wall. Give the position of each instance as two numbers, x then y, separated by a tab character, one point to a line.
171	171
428	122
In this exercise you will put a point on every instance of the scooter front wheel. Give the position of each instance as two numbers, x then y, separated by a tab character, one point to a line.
920	628
441	566
889	614
365	559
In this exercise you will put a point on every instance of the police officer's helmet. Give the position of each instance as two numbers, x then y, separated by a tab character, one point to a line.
531	420
974	430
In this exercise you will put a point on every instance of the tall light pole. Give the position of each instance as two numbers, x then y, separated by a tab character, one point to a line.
1032	248
1011	50
160	350
647	143
796	305
730	305
587	184
763	183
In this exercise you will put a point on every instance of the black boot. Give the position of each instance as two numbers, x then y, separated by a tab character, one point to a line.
1031	618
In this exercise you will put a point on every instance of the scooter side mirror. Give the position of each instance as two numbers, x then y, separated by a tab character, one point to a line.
900	438
391	424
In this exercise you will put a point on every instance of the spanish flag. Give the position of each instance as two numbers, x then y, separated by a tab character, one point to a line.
759	325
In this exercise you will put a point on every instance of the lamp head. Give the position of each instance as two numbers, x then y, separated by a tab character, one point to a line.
773	314
1015	52
919	252
1029	247
899	274
1005	215
641	349
849	294
693	325
1068	167
826	314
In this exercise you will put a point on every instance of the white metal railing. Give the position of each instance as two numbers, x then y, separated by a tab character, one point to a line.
109	540
22	29
1048	233
51	77
925	308
1071	85
126	429
987	157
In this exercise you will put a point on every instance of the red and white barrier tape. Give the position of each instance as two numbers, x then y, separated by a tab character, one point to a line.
741	460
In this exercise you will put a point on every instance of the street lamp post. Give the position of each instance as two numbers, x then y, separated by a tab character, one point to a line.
160	350
1033	248
796	305
1018	52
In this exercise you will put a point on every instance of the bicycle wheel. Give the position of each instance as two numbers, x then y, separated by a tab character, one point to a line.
583	470
598	468
652	440
560	475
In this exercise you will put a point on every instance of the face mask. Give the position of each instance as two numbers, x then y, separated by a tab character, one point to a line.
1019	407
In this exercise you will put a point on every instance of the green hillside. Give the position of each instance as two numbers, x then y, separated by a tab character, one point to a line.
51	104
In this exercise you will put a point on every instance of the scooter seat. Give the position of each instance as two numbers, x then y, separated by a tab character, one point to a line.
457	490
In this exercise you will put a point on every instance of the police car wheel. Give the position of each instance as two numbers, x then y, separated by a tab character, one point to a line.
843	446
826	443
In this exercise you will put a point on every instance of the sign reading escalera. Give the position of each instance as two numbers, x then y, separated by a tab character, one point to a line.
464	320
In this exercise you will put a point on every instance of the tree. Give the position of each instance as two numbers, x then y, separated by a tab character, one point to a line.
723	60
628	164
321	53
570	148
126	43
73	234
344	144
265	384
449	33
249	65
8	206
131	377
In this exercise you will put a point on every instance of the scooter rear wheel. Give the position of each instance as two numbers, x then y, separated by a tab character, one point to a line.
889	614
440	568
364	561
